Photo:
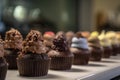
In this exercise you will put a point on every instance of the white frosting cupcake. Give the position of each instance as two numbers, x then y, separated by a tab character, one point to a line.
79	43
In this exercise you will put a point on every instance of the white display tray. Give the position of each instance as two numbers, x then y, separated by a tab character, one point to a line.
104	70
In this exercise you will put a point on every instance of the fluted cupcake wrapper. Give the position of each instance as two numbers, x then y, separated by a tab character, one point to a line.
115	49
11	59
10	56
107	52
3	71
33	68
61	62
81	59
96	56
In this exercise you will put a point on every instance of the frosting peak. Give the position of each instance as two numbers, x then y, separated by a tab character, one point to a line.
34	43
60	43
13	39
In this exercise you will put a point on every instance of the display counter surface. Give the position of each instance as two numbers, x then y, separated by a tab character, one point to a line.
104	70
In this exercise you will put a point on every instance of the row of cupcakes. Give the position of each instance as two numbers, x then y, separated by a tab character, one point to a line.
36	53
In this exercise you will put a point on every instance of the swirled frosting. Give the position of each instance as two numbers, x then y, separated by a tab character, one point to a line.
13	39
103	40
60	43
34	43
94	42
79	43
111	36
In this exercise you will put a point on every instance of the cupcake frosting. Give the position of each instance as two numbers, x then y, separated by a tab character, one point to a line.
94	34
60	43
34	43
13	39
118	37
1	48
79	43
69	35
112	37
103	40
94	42
49	35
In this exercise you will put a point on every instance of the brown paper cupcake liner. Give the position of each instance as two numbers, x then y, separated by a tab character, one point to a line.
61	63
115	50
11	59
10	56
81	59
107	52
3	71
33	68
96	56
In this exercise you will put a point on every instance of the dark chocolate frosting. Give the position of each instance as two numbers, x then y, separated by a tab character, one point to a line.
60	47
60	43
13	39
34	43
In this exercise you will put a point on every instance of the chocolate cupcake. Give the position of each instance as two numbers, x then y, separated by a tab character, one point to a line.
61	57
33	61
105	43
3	63
80	50
95	48
13	44
112	37
48	39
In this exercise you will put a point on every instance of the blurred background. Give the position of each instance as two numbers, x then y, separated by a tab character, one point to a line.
57	15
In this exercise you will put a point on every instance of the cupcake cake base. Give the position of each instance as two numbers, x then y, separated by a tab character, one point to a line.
10	56
81	59
31	67
3	69
61	62
107	52
96	55
115	50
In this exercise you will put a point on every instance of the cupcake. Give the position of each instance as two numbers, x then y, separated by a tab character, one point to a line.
105	43
69	35
61	57
118	38
95	48
13	44
48	39
80	49
112	37
33	61
3	63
